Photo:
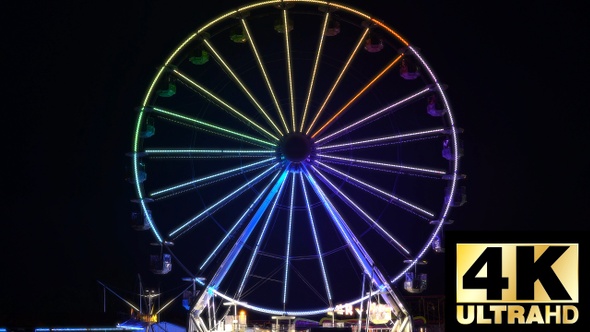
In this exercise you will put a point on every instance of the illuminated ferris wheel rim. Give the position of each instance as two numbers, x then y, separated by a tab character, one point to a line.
239	11
168	65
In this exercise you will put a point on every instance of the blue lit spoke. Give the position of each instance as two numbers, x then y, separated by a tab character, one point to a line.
316	242
225	105
229	259
288	246
230	233
261	237
372	117
378	192
193	184
365	216
211	209
212	127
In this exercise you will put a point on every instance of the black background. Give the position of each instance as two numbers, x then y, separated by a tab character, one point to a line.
74	71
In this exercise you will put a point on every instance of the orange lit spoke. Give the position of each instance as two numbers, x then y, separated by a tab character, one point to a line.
345	107
339	79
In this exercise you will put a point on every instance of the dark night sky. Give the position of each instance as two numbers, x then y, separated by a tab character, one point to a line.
74	72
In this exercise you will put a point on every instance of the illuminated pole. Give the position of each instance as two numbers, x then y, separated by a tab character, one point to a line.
368	311
361	310
235	320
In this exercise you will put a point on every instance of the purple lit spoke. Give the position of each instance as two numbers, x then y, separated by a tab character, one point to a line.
364	260
323	139
383	140
397	201
395	243
316	242
382	167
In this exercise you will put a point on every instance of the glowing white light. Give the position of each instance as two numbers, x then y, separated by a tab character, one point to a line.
289	234
316	241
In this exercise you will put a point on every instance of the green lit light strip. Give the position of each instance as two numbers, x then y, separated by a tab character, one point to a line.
208	151
211	126
224	104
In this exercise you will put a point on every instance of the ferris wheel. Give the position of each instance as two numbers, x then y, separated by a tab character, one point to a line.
296	158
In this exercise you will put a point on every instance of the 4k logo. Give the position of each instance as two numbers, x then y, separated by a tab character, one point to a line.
517	273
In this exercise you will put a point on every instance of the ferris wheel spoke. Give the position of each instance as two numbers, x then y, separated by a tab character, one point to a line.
229	259
358	95
209	127
208	153
261	236
289	63
375	115
290	171
383	140
383	167
397	201
316	241
315	69
338	80
363	258
395	243
220	203
360	253
241	84
206	180
264	73
224	105
231	232
288	244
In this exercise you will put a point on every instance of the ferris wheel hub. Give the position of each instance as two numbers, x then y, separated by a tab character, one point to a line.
295	147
